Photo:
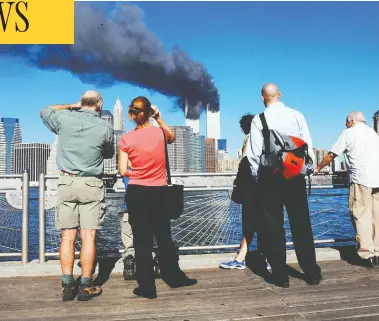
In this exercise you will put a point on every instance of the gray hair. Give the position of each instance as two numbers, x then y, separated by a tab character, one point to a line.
356	117
91	98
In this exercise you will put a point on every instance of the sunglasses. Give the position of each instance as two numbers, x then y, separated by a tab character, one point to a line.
135	111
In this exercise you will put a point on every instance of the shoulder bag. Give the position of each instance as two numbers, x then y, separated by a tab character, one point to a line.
174	193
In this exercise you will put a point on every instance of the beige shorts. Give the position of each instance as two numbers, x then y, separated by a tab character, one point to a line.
81	202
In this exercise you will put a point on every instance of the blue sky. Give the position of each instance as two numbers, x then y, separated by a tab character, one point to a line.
324	56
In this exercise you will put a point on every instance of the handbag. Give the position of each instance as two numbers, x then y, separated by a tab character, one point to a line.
237	195
174	199
243	184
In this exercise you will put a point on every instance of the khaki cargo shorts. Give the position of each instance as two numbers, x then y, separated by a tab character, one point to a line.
81	202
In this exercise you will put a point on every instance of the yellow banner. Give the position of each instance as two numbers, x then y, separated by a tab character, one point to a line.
37	22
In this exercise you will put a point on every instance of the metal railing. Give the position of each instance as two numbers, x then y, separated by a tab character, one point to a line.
42	241
25	217
43	201
41	218
42	214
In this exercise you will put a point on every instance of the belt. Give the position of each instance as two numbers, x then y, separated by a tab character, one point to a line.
77	175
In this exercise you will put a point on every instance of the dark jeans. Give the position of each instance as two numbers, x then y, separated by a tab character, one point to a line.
275	191
146	208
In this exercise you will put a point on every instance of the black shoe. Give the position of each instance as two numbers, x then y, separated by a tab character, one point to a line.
129	268
284	285
69	291
86	292
279	283
370	262
182	280
148	294
376	261
313	281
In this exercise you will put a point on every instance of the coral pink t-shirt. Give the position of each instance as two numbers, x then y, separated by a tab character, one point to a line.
146	151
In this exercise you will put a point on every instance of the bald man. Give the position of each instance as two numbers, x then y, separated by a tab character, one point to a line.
275	192
85	140
360	144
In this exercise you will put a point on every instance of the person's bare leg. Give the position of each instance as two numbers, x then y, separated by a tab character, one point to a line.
87	252
67	250
241	256
87	289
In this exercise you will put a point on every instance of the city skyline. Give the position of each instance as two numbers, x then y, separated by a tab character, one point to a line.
10	135
190	153
322	55
106	114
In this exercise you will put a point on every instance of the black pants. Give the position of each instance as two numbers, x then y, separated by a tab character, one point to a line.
275	191
251	223
147	218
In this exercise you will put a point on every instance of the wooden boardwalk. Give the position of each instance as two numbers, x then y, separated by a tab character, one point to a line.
348	292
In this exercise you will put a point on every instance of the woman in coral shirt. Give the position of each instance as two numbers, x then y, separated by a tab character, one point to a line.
145	148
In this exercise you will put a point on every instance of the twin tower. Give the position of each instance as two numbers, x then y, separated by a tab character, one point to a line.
213	127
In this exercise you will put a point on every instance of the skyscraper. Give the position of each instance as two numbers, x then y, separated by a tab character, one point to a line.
197	153
221	145
210	155
194	124
32	156
118	115
10	134
226	163
179	150
213	124
107	116
110	165
51	164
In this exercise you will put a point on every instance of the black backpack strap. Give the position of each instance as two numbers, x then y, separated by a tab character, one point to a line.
265	132
167	161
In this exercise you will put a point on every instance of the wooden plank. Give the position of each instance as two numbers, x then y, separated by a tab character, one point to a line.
346	292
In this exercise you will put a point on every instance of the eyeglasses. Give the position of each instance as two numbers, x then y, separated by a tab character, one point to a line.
135	111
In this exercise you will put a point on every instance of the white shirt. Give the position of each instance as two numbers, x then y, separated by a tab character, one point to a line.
285	121
360	143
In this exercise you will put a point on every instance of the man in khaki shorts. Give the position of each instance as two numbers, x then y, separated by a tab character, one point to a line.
360	144
85	140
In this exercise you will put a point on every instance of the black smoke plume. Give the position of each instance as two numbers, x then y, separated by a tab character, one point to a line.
118	47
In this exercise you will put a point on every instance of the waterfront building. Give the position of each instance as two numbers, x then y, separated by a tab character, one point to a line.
226	163
179	150
110	165
197	153
118	115
210	155
107	116
213	124
194	124
10	134
32	156
51	164
222	145
319	155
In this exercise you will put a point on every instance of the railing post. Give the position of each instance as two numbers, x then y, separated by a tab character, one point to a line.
25	217
42	222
